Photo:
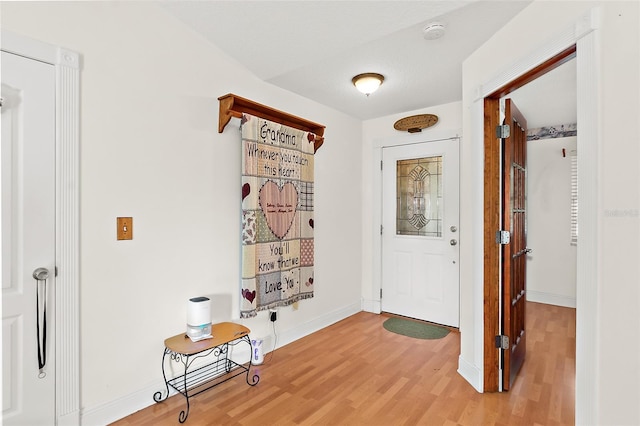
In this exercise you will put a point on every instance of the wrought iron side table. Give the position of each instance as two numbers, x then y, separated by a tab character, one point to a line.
217	368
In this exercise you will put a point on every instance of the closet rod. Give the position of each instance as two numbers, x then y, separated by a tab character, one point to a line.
234	106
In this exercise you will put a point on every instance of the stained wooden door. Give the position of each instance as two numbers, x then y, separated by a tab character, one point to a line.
514	253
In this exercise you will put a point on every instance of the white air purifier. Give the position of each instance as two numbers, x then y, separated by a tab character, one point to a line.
199	318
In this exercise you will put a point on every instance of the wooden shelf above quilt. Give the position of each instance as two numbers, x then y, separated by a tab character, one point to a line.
234	106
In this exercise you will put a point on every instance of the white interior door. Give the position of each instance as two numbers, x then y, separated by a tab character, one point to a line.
420	268
28	241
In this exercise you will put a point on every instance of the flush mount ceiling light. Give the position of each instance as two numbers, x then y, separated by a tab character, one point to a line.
367	83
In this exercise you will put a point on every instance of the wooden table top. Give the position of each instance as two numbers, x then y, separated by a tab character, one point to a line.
223	332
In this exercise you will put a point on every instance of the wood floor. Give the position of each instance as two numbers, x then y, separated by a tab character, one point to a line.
357	373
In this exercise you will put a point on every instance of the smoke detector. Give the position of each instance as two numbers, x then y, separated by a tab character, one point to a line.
433	31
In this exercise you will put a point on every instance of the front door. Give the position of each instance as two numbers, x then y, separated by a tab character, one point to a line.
420	268
514	252
28	241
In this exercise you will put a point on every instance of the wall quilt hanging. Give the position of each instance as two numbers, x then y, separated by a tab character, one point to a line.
277	215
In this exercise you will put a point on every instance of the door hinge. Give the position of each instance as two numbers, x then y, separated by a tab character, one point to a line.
380	293
503	237
502	342
380	164
381	229
503	131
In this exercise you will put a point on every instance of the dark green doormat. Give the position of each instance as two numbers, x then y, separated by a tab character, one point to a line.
415	329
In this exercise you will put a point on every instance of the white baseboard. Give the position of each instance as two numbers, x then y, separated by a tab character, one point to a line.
302	330
471	374
122	407
372	306
551	299
70	419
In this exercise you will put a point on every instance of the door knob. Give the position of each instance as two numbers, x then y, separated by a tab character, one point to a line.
453	242
41	274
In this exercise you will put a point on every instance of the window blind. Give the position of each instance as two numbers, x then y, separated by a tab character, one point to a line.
574	198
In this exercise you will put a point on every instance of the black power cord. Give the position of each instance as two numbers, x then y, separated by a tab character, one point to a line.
275	337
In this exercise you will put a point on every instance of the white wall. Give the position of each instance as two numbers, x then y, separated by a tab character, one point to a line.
150	149
551	266
614	381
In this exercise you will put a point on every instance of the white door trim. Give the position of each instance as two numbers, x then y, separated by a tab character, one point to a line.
374	305
584	33
67	66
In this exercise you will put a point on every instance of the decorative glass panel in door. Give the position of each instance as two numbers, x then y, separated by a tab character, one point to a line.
419	197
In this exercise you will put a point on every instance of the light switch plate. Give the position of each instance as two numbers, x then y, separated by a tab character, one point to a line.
125	228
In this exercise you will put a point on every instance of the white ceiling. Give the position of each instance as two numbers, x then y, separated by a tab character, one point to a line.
314	48
549	100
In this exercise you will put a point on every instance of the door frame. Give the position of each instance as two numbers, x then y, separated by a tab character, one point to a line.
374	303
584	34
493	202
67	140
434	135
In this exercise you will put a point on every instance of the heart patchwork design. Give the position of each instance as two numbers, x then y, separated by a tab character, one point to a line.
246	190
279	206
249	295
